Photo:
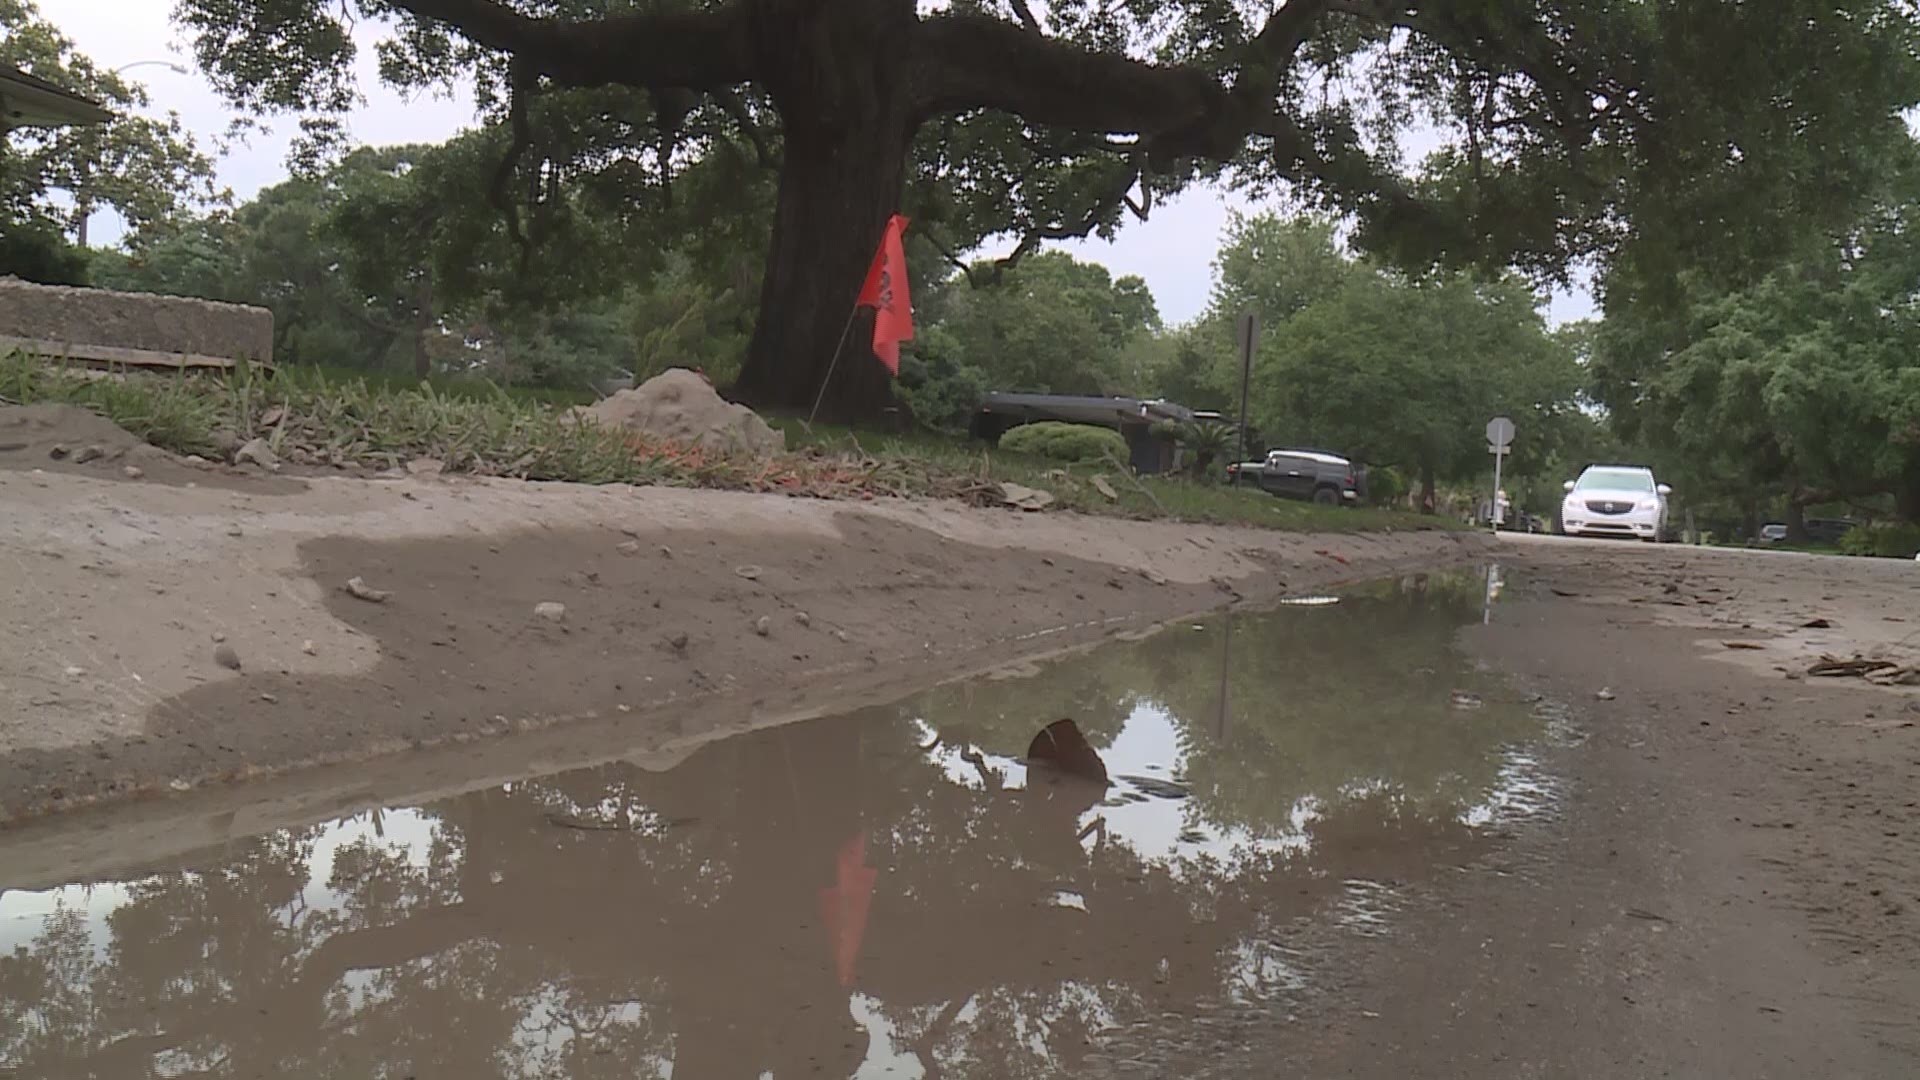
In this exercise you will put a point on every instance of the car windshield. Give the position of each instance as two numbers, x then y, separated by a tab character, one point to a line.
1615	480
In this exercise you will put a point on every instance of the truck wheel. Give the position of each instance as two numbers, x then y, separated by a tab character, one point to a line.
1326	496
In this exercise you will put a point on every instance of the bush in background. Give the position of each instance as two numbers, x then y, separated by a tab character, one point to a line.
1065	442
1885	539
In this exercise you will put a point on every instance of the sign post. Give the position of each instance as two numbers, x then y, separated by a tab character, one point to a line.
1499	438
1248	335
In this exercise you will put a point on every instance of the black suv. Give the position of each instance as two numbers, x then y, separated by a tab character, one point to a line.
1325	478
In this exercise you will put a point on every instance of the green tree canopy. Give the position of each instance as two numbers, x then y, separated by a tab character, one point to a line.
1051	324
1611	129
1397	370
1802	385
146	170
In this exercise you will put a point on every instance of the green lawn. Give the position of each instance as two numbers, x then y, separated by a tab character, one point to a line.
316	416
1072	485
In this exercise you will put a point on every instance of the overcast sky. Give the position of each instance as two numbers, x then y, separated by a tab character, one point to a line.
1173	250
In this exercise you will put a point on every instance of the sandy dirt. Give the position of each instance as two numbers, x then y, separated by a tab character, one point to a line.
1727	883
130	601
1733	885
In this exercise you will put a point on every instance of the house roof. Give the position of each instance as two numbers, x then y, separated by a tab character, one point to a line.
1092	410
30	100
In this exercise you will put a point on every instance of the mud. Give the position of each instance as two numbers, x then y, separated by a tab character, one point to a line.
115	683
886	891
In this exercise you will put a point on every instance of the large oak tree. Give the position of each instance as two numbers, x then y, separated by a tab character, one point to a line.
1580	129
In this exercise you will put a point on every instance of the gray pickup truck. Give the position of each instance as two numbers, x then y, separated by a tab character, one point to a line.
1313	475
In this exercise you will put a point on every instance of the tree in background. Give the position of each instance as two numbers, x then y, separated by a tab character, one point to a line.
1395	370
1598	128
148	171
1052	324
1801	387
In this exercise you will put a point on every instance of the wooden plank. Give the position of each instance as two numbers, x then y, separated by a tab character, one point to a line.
114	354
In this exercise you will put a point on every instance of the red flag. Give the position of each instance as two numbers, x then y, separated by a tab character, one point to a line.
886	293
843	906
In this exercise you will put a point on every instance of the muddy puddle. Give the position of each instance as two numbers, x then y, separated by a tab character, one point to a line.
886	894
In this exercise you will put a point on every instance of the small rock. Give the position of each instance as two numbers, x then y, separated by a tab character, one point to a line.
75	672
133	472
678	641
226	657
269	699
307	647
88	453
666	551
58	452
179	785
426	466
763	626
1153	576
218	637
360	590
803	618
749	571
550	610
234	530
257	452
842	635
1603	694
628	547
195	459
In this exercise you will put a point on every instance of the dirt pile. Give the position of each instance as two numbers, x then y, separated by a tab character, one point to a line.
66	438
69	439
680	406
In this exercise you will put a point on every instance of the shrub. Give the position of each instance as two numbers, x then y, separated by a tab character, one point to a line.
1385	486
1884	539
1065	442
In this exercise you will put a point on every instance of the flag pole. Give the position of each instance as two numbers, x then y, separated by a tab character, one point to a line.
831	364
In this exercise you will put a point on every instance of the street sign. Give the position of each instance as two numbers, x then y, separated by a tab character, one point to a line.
1499	439
1500	432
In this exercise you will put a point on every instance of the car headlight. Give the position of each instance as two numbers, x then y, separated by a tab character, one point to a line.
1649	504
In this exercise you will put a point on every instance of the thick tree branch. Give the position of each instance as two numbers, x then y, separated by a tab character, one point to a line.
1102	209
521	83
967	62
970	62
736	109
697	50
1024	13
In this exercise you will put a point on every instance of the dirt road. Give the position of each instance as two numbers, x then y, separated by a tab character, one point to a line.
1719	876
1733	886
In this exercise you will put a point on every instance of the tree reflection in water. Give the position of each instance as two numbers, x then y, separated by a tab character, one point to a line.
615	923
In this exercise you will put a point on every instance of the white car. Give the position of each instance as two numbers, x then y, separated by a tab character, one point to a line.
1615	500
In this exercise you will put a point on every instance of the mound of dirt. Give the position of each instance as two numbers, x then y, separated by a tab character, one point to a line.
680	406
70	439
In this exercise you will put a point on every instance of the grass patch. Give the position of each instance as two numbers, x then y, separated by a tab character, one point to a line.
1074	487
319	418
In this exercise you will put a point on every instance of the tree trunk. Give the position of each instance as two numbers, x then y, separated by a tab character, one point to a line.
1906	495
1429	496
422	323
841	87
1796	519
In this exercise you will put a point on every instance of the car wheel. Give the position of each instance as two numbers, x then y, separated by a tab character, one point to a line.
1326	496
